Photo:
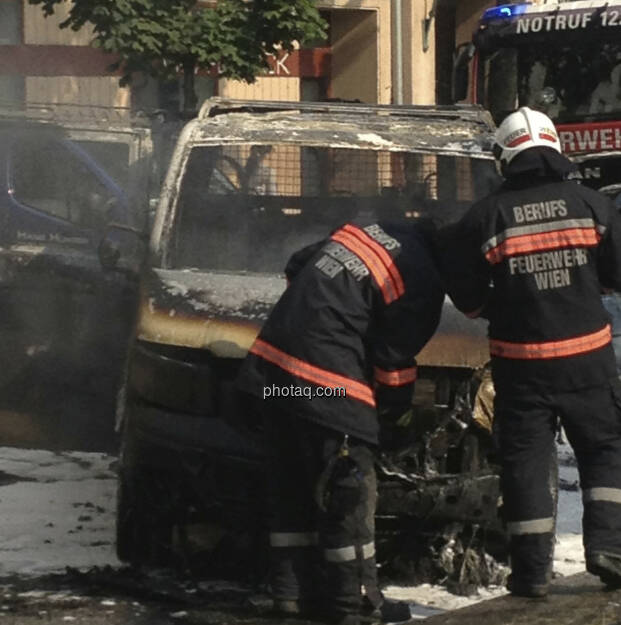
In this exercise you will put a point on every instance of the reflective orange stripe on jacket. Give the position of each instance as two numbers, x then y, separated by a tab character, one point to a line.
311	373
571	237
376	258
380	250
552	349
400	377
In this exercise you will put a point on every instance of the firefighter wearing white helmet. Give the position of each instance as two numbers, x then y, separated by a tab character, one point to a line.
523	130
532	258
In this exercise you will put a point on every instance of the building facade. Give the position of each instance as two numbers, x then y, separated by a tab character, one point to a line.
377	51
41	63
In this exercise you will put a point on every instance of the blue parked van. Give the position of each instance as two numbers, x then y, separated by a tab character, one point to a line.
67	188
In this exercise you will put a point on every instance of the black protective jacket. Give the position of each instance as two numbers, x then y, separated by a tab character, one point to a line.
532	257
359	307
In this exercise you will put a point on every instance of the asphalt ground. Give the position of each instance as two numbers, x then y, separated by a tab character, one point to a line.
129	597
575	600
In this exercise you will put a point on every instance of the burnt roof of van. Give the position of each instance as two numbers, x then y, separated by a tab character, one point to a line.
456	130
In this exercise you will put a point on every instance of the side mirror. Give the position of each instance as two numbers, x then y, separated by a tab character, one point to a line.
461	71
122	249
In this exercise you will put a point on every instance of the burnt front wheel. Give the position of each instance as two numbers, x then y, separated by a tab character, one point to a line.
132	544
143	529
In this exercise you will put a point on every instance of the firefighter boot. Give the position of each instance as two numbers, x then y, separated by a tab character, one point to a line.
395	611
531	565
298	609
344	618
388	611
606	566
286	608
521	588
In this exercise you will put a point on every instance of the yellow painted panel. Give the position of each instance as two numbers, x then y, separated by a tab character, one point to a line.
355	69
467	15
41	30
83	90
265	88
419	66
376	78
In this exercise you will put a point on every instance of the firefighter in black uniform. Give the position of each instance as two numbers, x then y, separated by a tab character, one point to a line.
337	350
532	257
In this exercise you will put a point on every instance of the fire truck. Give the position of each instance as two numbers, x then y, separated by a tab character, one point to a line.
563	58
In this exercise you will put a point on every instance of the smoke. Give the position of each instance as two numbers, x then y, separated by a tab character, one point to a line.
66	320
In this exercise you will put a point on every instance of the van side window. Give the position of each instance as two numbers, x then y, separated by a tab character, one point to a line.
46	176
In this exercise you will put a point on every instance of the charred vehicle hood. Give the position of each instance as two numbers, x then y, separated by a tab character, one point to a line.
222	310
223	313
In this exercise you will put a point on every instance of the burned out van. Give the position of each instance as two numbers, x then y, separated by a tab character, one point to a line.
249	184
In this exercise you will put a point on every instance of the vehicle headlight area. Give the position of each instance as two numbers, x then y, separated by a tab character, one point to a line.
167	377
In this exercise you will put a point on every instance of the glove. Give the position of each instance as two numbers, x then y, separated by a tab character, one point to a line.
395	430
406	419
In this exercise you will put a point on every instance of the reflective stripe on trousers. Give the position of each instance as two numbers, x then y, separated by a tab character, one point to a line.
293	539
602	493
534	526
348	554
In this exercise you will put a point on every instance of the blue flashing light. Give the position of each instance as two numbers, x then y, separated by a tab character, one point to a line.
504	11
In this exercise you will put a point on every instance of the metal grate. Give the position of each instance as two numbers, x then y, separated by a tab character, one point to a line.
293	171
285	196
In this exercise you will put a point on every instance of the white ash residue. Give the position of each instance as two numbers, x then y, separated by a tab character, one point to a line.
233	294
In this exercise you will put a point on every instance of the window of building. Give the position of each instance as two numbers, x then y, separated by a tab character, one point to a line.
10	22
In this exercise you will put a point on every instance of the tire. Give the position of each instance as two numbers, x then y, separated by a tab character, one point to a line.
132	538
125	522
144	524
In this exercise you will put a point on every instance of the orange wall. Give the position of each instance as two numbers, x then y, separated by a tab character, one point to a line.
467	16
354	55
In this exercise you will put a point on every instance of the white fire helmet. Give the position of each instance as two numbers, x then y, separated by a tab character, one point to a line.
522	130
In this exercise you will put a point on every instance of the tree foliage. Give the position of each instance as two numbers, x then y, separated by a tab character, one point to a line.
163	37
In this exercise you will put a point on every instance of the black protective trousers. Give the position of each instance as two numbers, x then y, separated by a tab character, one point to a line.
526	425
321	555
